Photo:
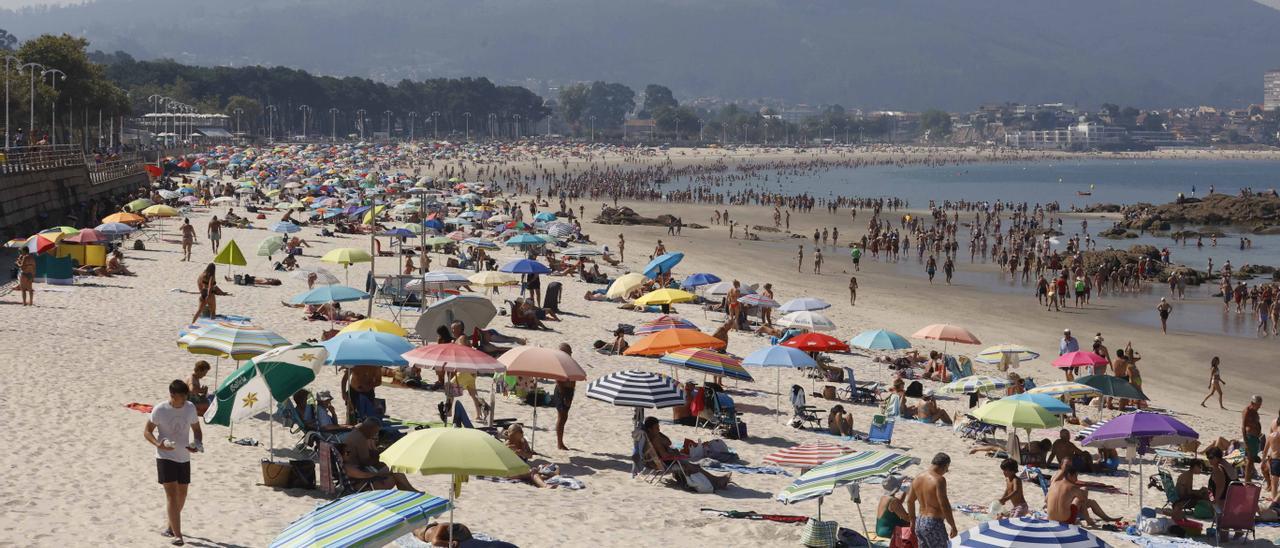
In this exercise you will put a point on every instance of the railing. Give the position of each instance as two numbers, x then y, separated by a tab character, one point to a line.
115	169
37	158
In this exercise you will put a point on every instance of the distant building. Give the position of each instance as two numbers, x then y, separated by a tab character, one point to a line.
1085	135
1271	90
639	129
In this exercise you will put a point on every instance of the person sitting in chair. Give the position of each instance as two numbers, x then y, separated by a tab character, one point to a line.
360	459
662	448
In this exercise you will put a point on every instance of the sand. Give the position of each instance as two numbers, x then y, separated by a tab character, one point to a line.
79	473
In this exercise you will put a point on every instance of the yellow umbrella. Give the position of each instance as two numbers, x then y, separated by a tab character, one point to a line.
160	210
347	256
666	296
374	324
1017	414
624	285
372	214
123	217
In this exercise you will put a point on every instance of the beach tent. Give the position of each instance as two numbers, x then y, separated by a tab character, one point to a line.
230	255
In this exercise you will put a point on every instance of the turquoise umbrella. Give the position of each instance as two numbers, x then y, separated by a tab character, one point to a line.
879	339
367	348
325	294
1050	403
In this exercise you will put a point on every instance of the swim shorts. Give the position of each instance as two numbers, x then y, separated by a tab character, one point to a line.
931	532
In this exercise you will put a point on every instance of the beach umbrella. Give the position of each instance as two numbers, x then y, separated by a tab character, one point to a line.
167	194
624	285
816	342
1113	386
579	252
756	299
403	232
223	200
347	256
974	384
1007	354
947	333
640	389
879	339
541	363
858	467
375	324
698	280
284	227
453	358
230	255
436	241
1050	403
1016	414
229	340
807	455
665	321
457	236
366	348
270	246
560	230
1066	390
474	311
804	319
41	243
525	266
114	229
1079	359
1141	430
804	304
1017	532
160	210
456	452
124	217
490	278
323	294
439	280
662	264
670	340
264	380
372	518
525	240
138	205
779	357
64	230
666	296
707	361
479	242
721	289
322	276
544	217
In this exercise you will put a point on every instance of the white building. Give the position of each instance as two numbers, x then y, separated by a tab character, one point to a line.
1271	90
1084	135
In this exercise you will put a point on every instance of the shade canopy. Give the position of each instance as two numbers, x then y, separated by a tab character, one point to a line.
264	380
366	348
974	384
232	340
1141	427
665	296
632	388
808	320
707	361
624	285
1006	353
455	451
1050	403
670	340
372	518
880	339
807	455
948	333
474	311
1079	359
804	303
1016	414
1066	390
322	294
1013	532
816	342
375	324
525	266
542	363
852	468
664	322
451	357
347	256
1113	386
779	356
662	264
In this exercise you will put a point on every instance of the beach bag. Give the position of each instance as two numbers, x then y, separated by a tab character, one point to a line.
819	534
903	537
304	474
276	474
139	246
700	483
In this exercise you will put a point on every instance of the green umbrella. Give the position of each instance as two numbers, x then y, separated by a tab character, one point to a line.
436	240
271	246
1017	414
272	376
1113	386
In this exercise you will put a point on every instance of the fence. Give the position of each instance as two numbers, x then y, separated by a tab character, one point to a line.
37	158
115	169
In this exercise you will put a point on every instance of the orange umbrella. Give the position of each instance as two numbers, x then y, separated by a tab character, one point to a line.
670	340
123	217
947	333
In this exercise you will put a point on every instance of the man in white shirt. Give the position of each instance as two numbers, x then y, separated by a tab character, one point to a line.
169	430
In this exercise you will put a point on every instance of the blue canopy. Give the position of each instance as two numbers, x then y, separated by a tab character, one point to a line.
524	266
879	339
699	279
325	294
779	356
399	233
285	227
370	348
662	264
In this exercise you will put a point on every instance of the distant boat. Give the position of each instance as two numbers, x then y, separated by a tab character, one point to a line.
1084	193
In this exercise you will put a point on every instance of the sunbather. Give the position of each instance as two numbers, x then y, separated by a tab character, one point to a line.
360	459
839	421
661	444
199	393
930	412
1068	502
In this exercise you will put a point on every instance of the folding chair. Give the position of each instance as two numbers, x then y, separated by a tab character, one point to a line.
648	465
858	392
1239	510
802	412
881	430
342	484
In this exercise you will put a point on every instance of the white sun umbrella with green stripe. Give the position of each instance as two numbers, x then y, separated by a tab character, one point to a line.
974	384
859	467
270	377
1066	390
372	518
230	340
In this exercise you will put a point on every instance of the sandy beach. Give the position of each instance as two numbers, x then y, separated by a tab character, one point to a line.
79	473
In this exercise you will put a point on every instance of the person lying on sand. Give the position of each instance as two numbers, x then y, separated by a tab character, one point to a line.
618	346
257	280
437	534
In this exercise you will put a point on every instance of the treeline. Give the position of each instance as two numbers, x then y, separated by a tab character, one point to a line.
446	105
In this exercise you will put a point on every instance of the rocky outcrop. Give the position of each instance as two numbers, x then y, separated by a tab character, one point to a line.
1216	209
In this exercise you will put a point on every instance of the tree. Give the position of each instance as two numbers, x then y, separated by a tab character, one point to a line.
251	110
681	119
936	122
85	85
656	97
7	41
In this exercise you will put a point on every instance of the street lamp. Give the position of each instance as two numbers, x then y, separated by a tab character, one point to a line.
467	116
517	128
360	121
271	123
412	114
31	124
493	125
435	124
7	60
333	124
387	113
593	129
305	111
238	112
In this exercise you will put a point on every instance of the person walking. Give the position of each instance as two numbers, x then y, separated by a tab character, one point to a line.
934	522
1164	308
563	399
1215	382
26	264
188	238
169	429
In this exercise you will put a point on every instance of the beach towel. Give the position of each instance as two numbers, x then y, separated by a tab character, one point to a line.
1159	541
478	540
741	469
568	482
751	515
139	407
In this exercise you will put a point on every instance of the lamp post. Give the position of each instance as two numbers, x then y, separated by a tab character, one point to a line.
7	59
31	123
271	123
305	111
435	125
593	129
333	124
517	128
467	117
493	125
360	121
702	125
238	112
387	114
412	114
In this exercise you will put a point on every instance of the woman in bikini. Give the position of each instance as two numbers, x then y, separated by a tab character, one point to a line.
1215	383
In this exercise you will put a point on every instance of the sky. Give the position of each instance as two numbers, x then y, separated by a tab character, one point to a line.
24	3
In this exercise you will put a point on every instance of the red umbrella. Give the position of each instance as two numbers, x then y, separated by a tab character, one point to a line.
807	455
817	342
87	236
43	242
154	170
1079	359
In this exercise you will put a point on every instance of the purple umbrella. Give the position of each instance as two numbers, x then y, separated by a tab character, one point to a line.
1143	430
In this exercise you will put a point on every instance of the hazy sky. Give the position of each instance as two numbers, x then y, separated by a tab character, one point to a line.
21	3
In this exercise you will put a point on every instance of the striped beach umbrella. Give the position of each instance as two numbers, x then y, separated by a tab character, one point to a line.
807	455
852	468
1026	532
636	389
1006	353
478	242
437	280
707	361
230	340
579	252
284	227
807	320
756	299
262	381
1066	390
666	321
975	384
880	339
560	230
372	518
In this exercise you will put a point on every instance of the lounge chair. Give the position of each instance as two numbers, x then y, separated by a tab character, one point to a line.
976	429
648	465
881	430
292	418
1239	510
803	413
332	477
1162	480
858	392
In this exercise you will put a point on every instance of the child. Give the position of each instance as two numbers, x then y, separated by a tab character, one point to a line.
1013	489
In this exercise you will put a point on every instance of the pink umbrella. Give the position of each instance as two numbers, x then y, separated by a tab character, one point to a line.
947	333
541	363
807	455
452	358
87	236
1079	359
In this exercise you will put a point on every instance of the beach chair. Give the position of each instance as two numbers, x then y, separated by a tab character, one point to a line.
310	439
1239	509
648	465
341	484
976	429
803	413
858	392
881	430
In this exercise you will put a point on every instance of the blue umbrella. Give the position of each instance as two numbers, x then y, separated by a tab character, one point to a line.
525	240
779	357
285	227
699	279
545	217
1049	403
879	339
1027	532
433	223
399	233
367	348
329	294
480	243
662	264
524	266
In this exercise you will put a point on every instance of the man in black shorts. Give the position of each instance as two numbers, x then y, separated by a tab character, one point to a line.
563	398
169	430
